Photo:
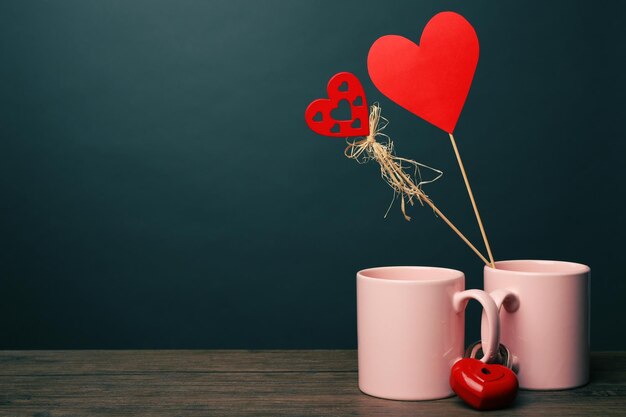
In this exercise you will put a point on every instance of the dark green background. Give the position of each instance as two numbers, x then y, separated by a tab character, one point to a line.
159	187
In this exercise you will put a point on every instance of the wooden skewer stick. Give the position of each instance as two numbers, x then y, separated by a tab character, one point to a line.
392	171
457	231
471	196
397	171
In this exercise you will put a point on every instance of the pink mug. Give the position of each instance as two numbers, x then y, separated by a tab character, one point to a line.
545	320
411	327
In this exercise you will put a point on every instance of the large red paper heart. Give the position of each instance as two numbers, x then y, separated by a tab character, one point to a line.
433	79
342	86
483	386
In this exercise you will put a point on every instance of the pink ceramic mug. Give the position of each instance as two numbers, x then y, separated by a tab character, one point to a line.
411	327
545	320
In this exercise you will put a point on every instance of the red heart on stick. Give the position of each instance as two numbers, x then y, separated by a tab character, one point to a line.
342	86
433	79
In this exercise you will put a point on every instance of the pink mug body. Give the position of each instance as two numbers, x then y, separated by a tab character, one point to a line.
545	320
411	330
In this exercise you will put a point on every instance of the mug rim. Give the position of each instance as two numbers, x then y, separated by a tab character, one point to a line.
363	274
574	268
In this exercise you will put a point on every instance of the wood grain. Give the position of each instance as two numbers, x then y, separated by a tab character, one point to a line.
251	383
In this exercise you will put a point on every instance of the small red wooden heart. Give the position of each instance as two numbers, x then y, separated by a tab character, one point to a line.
483	386
342	86
433	79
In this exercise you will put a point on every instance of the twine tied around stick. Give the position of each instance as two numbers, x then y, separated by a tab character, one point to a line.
406	186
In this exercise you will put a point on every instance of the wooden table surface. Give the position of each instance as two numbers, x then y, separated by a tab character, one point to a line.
251	383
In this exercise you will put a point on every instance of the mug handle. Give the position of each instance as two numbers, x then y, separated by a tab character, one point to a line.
501	297
491	323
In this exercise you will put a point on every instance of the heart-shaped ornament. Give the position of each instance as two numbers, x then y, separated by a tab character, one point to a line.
483	386
431	79
342	86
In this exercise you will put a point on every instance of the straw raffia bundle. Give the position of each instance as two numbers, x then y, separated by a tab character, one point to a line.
403	175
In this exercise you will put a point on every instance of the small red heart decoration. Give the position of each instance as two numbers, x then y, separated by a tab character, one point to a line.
483	386
342	86
433	79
